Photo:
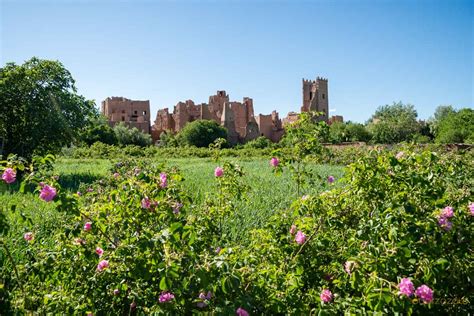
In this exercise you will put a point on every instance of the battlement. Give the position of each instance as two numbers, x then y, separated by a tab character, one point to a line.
318	79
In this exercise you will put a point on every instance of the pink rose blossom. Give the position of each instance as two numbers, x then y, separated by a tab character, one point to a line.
104	264
133	305
99	251
331	179
79	193
349	266
9	175
163	180
471	208
116	175
274	162
166	297
447	212
424	293
116	292
28	236
241	312
146	203
47	193
326	296
219	172
293	229
87	226
406	287
300	237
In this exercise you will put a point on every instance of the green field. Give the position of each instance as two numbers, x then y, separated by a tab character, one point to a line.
267	193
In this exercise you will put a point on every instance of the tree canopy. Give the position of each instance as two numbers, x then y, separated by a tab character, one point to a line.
201	133
40	108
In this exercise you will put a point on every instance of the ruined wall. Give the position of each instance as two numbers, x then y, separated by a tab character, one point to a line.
132	112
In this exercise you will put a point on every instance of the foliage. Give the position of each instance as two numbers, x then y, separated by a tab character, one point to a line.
456	127
98	130
201	133
302	139
259	143
393	123
384	219
131	136
168	139
348	132
41	110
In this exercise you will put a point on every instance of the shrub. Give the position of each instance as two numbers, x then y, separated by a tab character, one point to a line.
201	133
131	136
259	143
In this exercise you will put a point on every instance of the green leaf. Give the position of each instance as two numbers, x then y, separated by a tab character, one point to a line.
163	285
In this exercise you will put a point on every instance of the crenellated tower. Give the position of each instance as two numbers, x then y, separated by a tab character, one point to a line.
315	96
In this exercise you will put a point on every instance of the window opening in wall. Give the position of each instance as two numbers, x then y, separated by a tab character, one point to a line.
310	95
123	118
323	95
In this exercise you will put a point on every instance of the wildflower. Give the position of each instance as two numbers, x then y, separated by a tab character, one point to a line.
28	236
274	162
9	175
166	297
406	287
293	229
116	175
47	193
471	208
177	207
99	251
79	193
87	226
447	212
300	237
116	292
218	250
424	293
444	223
90	190
304	197
133	305
146	203
326	296
331	179
219	172
349	266
163	180
241	312
104	264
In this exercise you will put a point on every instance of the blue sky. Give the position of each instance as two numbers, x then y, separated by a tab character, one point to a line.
372	52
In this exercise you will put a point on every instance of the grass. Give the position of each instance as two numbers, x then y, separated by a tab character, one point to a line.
267	192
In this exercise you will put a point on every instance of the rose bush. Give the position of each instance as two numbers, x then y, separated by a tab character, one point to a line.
134	242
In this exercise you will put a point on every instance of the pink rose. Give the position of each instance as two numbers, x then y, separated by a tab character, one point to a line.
47	193
241	312
99	251
166	297
274	162
87	226
104	264
28	236
292	229
424	293
326	296
219	172
406	287
300	237
163	180
9	175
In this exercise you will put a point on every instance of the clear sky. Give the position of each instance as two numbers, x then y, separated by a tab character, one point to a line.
372	52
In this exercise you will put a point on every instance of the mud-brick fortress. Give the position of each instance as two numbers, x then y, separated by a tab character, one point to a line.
237	117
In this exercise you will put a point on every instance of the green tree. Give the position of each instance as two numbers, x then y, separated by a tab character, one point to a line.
40	108
201	133
440	114
393	123
98	130
131	136
456	127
